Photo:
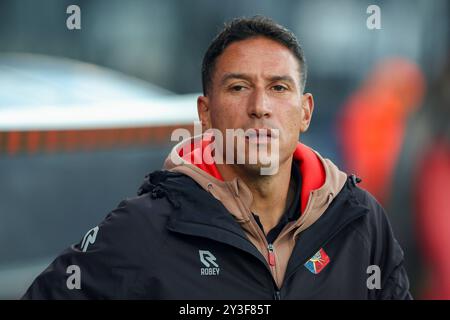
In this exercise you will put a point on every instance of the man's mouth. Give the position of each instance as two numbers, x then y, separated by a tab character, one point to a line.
261	135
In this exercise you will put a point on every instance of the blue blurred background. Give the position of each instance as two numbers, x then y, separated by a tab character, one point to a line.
85	114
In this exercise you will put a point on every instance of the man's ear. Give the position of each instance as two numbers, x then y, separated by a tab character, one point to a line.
307	111
203	112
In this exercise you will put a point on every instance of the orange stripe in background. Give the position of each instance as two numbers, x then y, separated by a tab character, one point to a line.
122	137
63	137
13	142
84	140
129	136
90	138
95	141
159	134
104	139
71	140
144	136
99	138
51	141
118	134
112	137
33	138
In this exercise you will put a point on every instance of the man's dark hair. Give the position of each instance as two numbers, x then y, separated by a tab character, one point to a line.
245	28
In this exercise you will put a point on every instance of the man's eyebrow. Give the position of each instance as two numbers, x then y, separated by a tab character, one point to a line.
229	76
242	76
282	78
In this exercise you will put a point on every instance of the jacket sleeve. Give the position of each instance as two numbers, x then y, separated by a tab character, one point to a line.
395	282
388	255
103	265
396	285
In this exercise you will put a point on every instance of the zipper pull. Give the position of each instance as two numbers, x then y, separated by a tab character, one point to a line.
271	255
277	295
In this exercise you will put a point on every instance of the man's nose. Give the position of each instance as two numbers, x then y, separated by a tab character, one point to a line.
259	105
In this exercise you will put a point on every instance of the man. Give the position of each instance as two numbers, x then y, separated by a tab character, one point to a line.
201	230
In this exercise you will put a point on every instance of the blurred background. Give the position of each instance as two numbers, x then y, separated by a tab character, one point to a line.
85	114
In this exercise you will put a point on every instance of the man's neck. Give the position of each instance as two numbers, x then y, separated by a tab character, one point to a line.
271	193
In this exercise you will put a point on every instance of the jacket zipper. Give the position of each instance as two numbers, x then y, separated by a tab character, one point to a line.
277	295
270	249
271	255
272	262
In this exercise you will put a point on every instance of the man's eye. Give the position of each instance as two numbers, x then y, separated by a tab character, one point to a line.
279	88
237	88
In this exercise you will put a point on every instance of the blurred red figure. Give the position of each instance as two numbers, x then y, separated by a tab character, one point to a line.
372	126
433	217
431	189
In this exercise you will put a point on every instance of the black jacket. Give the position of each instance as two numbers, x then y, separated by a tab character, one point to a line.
176	241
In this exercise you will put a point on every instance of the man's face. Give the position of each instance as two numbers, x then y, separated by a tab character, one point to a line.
256	85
